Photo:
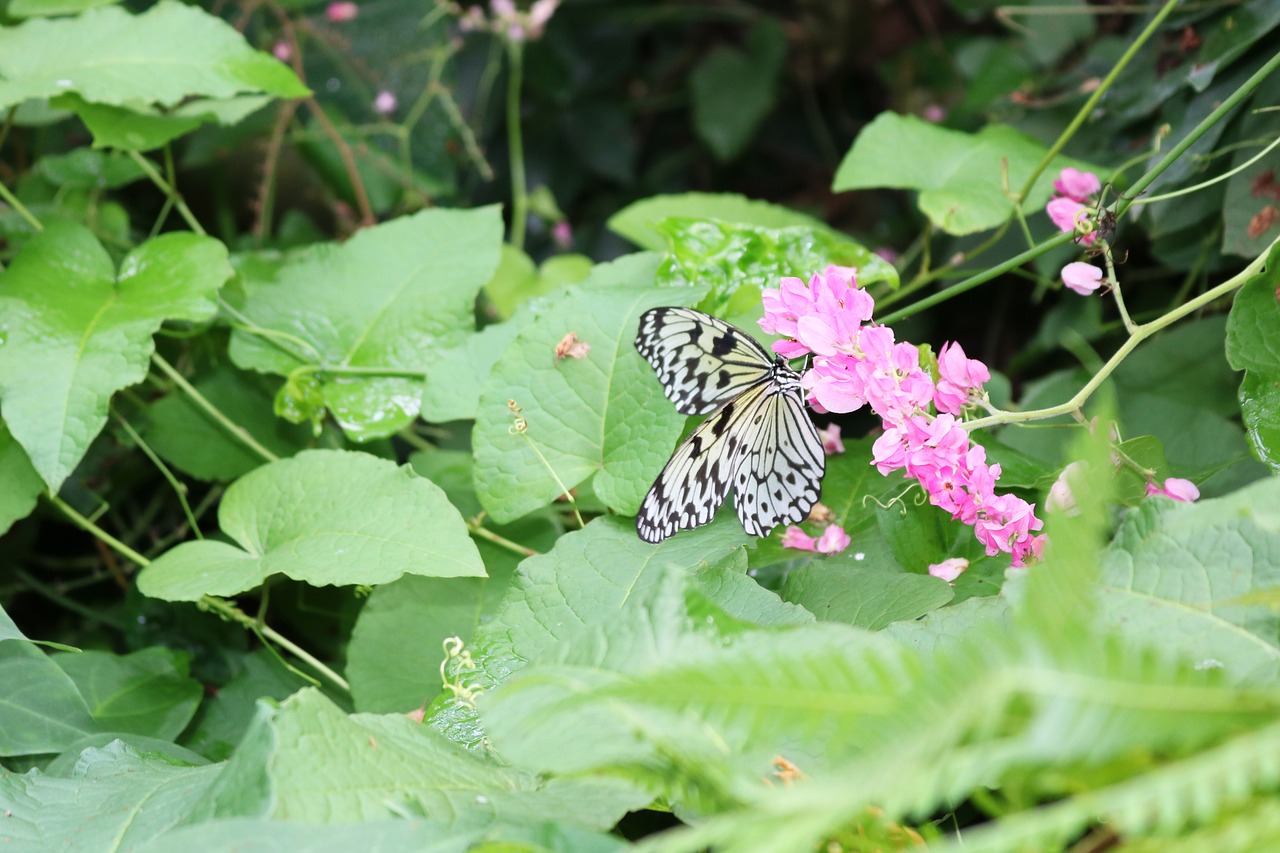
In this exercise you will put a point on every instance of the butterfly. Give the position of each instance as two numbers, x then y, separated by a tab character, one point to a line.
758	439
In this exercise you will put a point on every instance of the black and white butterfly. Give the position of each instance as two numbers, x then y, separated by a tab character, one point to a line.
758	439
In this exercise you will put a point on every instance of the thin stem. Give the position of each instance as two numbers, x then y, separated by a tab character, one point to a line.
515	143
12	200
238	432
1204	184
477	529
169	190
85	524
1138	335
93	614
1114	282
1087	109
179	489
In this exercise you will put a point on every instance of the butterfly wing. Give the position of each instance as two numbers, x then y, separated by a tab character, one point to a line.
701	361
779	478
697	478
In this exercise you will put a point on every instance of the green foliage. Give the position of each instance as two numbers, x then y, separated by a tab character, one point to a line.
365	300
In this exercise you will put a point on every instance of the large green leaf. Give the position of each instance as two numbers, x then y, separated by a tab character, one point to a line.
388	302
41	711
1203	578
41	8
22	483
603	416
639	221
1253	345
148	692
163	56
961	177
76	332
318	764
225	716
113	799
139	128
322	517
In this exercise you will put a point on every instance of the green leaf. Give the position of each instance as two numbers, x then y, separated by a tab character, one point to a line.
1260	409
9	629
40	709
1253	327
163	56
42	8
518	280
733	90
22	483
87	169
961	177
224	716
113	799
76	332
322	765
460	372
250	835
638	221
868	598
188	437
323	517
1193	574
602	417
148	692
138	128
387	302
738	261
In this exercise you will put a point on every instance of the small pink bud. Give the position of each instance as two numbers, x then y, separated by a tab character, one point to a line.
342	11
282	51
1177	489
887	254
949	570
1060	498
385	103
794	537
933	113
833	540
830	435
562	233
1077	185
1083	278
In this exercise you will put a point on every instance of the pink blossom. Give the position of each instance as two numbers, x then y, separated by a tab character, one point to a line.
959	378
539	13
505	9
817	316
887	253
1176	488
831	443
1083	278
282	51
950	569
562	233
933	113
833	540
1061	498
385	103
1066	213
794	537
1075	184
472	19
342	11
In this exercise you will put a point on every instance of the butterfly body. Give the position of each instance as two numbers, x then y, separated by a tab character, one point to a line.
758	439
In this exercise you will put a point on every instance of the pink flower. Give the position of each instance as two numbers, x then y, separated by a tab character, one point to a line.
887	253
1065	213
282	51
933	113
1176	488
833	540
827	311
385	103
794	537
562	233
831	442
958	378
1061	498
341	12
539	13
1083	278
950	569
1075	184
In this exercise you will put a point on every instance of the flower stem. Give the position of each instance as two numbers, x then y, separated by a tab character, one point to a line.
515	143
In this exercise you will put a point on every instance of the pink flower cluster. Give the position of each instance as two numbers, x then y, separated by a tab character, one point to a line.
832	541
506	20
857	363
1069	211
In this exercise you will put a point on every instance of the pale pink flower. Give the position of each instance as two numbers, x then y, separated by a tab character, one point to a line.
472	19
385	103
959	378
833	540
341	12
1075	184
831	443
934	113
1070	215
282	51
1176	488
562	233
504	9
539	13
794	537
950	569
1082	278
887	253
1061	498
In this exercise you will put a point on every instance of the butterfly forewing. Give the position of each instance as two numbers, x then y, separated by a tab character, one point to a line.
700	360
759	441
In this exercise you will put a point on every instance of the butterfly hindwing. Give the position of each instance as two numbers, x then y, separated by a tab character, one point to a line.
697	478
780	477
701	361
